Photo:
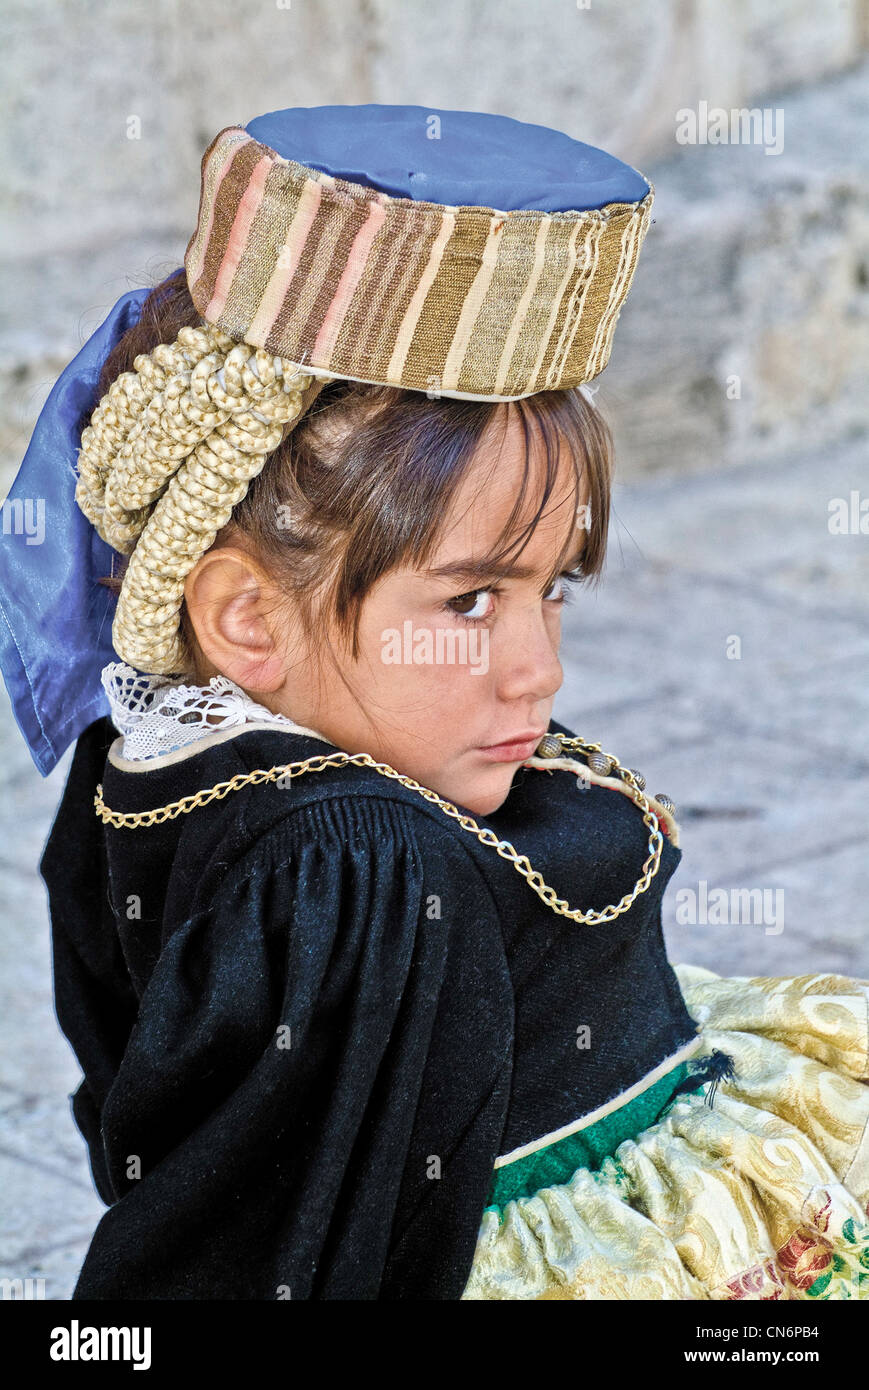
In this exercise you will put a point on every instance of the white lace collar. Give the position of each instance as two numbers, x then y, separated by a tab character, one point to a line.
159	714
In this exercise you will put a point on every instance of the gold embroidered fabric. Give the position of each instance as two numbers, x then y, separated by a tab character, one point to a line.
763	1196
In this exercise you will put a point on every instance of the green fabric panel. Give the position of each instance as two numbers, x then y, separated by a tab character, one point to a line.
587	1148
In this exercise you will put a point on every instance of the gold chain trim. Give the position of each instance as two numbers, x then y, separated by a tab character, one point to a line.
320	762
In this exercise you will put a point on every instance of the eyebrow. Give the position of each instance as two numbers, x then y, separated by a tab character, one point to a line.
477	570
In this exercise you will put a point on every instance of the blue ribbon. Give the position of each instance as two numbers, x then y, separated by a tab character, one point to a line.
55	617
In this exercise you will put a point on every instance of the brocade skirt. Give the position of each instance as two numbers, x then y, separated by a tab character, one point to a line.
763	1195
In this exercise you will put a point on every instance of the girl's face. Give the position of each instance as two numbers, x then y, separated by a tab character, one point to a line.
454	663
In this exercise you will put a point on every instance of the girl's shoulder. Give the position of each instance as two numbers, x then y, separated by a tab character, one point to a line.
183	857
247	802
249	786
263	778
224	818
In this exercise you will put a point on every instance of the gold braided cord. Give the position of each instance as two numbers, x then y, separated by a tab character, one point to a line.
322	761
169	451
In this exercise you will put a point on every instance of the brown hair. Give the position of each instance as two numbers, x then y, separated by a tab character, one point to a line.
363	483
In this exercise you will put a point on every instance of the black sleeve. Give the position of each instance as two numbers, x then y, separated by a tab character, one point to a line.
313	1096
94	999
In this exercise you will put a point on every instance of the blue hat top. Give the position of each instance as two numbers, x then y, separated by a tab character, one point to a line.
458	158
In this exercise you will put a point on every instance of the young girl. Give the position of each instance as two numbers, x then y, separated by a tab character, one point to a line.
359	949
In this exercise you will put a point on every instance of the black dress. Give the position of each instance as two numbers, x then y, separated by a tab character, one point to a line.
324	1030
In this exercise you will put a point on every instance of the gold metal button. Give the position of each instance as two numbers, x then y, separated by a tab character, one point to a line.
601	763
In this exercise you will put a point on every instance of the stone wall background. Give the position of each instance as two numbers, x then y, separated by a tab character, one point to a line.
756	269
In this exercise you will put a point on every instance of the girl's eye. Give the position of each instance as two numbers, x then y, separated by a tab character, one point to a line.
563	583
473	598
480	599
557	592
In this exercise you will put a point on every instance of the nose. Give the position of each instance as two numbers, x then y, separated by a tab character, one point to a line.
529	668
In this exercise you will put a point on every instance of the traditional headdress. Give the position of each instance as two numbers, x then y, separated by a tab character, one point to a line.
453	252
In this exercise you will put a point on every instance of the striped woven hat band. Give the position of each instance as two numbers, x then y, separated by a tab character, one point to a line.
463	301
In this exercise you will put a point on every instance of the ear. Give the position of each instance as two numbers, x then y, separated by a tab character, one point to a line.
231	607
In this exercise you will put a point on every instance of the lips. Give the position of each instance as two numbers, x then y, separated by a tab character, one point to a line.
524	736
514	750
